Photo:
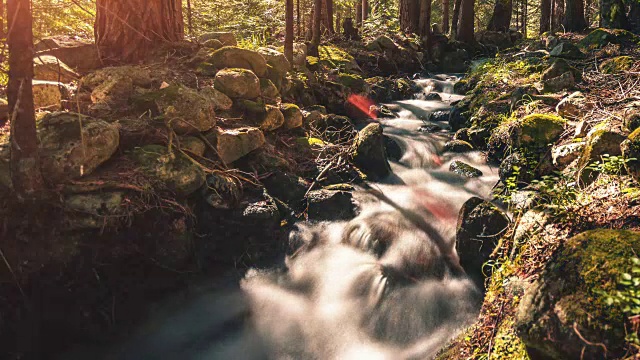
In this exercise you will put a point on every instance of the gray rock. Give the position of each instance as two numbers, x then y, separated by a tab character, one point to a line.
219	99
50	68
185	110
234	57
238	83
567	51
457	146
49	94
292	116
559	83
80	55
573	106
214	44
598	143
276	60
464	170
193	145
564	155
330	205
233	144
93	210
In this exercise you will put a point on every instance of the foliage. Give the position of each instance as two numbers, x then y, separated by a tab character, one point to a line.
63	17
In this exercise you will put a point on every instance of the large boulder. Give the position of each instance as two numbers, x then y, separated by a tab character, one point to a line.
601	37
235	57
233	144
457	146
498	39
534	132
65	153
573	299
599	142
480	226
185	110
238	83
455	61
112	87
50	68
218	98
214	44
171	171
567	51
292	116
78	54
93	210
631	150
276	60
48	94
559	67
631	120
368	152
269	91
226	38
464	170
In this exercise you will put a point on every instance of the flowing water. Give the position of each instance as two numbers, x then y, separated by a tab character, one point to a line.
384	285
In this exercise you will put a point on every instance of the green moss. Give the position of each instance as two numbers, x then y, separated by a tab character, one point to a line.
507	345
616	65
312	61
600	37
333	57
352	81
635	136
541	129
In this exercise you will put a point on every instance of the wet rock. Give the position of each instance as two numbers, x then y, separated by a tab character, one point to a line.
50	68
236	58
48	94
429	129
568	303
631	150
462	135
233	144
63	155
616	65
292	116
464	170
514	167
393	149
286	187
457	146
440	116
535	133
567	51
276	60
185	110
226	38
214	44
368	152
330	205
455	61
632	119
264	212
562	82
219	99
174	171
458	118
478	136
238	83
93	210
573	106
564	155
433	96
599	142
480	227
193	145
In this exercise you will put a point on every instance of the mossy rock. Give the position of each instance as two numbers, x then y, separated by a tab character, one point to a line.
353	82
172	171
292	116
235	57
214	44
238	83
185	110
616	65
457	146
631	150
332	57
599	142
269	90
464	170
568	51
631	120
266	117
559	67
276	60
368	152
601	37
570	300
534	133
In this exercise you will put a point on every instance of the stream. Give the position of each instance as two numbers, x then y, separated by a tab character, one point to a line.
380	286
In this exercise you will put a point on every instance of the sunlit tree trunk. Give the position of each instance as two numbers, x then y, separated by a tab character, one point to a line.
454	19
127	30
317	19
328	16
189	17
501	18
425	18
25	163
545	16
445	16
466	21
288	33
574	16
2	33
612	14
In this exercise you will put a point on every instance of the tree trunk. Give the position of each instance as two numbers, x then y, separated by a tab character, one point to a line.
409	16
338	21
127	30
501	18
454	19
2	33
574	16
317	19
466	21
445	16
365	10
189	17
25	163
288	33
525	14
328	16
298	18
359	14
612	14
634	17
425	18
545	16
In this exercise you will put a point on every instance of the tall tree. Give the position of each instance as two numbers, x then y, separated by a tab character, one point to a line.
501	17
365	10
317	19
359	14
328	16
454	19
466	21
25	163
424	28
613	14
445	16
127	30
298	18
634	17
574	16
288	33
409	15
545	16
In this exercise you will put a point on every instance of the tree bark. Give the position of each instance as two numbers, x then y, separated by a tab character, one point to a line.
328	16
189	17
466	21
359	14
298	19
409	16
317	19
501	18
288	33
128	30
613	14
25	163
2	33
425	18
545	16
454	19
574	16
634	17
445	16
365	10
